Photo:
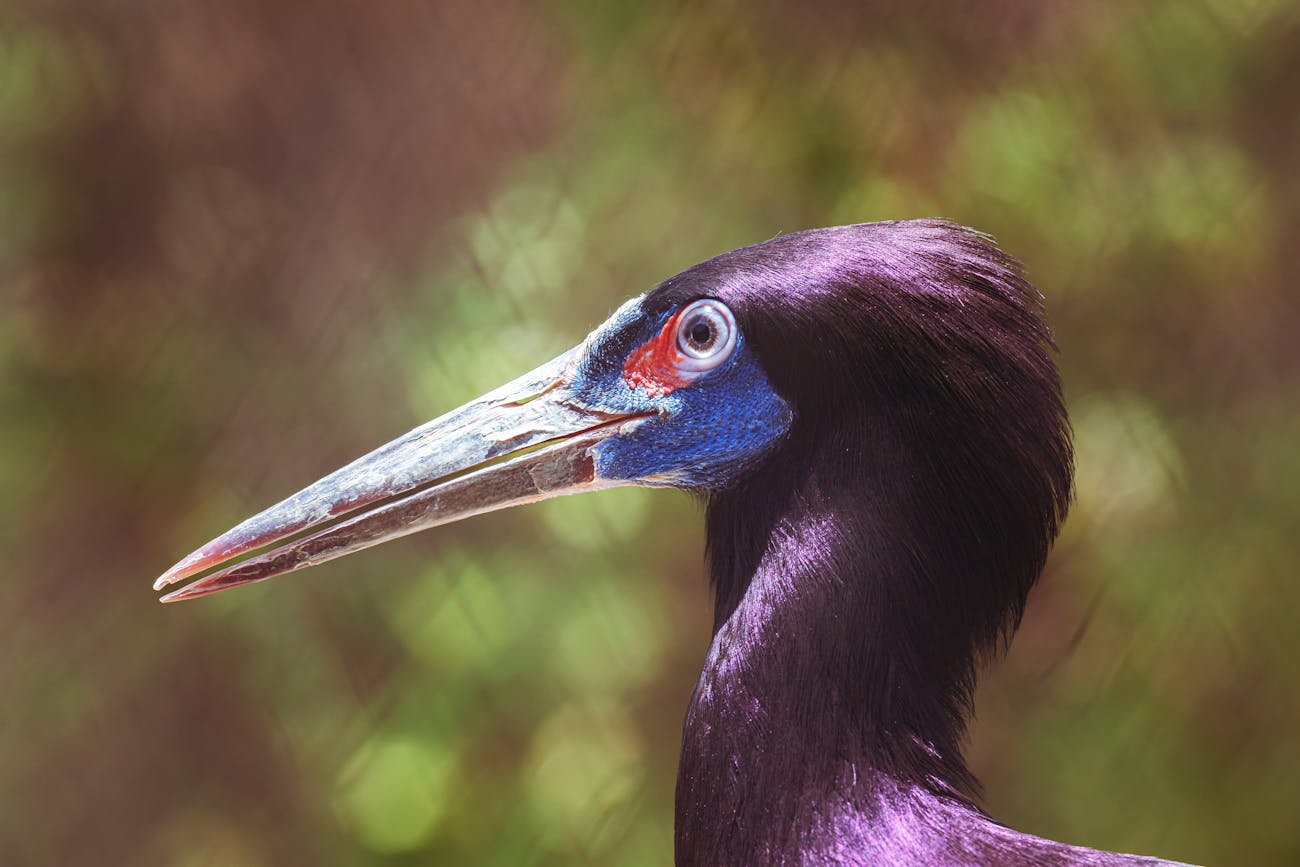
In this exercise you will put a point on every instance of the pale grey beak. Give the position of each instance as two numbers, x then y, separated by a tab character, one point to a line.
528	440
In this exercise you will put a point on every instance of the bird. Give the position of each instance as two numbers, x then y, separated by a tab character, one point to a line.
873	417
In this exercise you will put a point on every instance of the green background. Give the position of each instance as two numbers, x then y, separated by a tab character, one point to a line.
243	242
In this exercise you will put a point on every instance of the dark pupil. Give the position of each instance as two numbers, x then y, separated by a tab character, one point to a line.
701	333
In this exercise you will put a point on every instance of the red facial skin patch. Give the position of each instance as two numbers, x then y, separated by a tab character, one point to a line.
652	367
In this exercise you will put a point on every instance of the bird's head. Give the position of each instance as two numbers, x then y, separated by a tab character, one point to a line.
856	343
668	392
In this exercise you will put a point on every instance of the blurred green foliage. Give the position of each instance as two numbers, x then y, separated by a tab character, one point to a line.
240	245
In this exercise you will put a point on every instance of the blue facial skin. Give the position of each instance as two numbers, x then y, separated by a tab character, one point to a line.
704	434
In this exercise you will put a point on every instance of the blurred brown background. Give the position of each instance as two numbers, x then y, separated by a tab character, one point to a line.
242	242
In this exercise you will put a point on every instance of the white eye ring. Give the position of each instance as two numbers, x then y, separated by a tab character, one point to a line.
706	335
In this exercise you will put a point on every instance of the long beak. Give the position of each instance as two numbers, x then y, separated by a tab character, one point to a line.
526	441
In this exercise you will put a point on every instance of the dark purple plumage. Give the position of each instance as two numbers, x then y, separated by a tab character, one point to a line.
866	567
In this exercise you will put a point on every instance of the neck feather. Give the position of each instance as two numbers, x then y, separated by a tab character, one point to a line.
805	710
818	734
834	698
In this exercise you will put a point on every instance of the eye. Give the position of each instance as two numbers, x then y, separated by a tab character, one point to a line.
706	335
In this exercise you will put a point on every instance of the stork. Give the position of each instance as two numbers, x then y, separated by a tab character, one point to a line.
873	417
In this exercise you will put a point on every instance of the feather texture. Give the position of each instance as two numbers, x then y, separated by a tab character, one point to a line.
867	566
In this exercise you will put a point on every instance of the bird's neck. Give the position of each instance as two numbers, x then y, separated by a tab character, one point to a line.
805	726
827	721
